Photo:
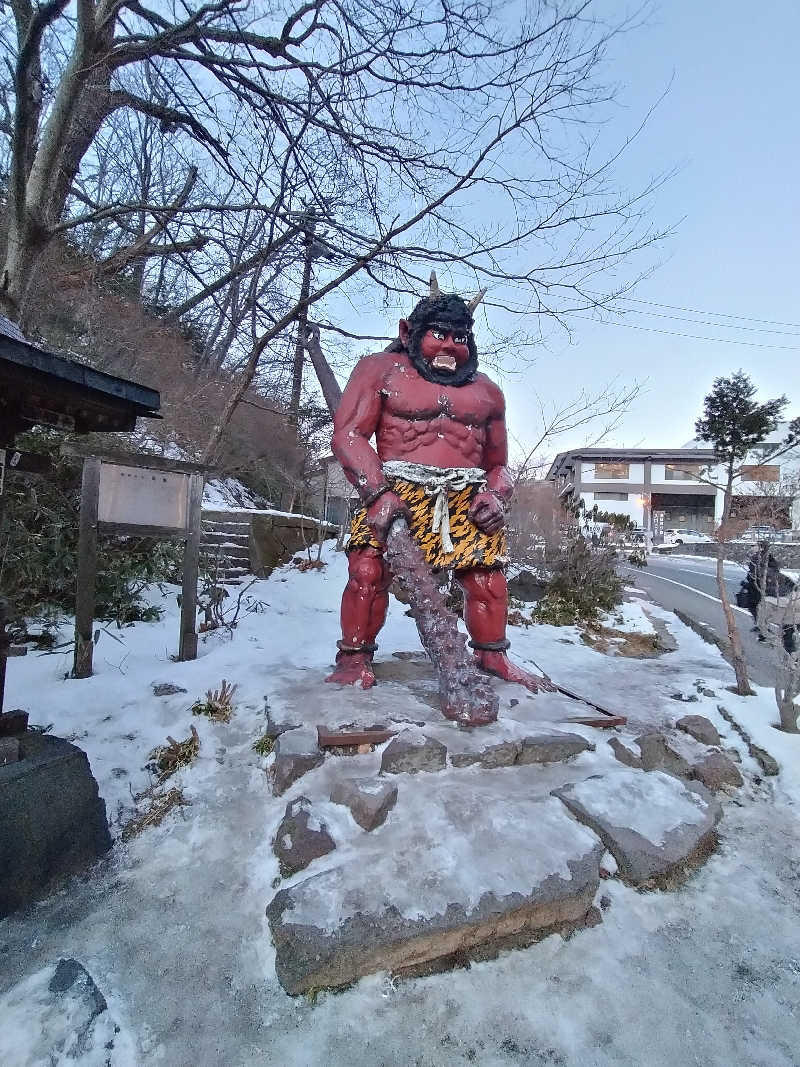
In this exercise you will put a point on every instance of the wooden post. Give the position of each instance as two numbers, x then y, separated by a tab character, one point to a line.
191	564
87	570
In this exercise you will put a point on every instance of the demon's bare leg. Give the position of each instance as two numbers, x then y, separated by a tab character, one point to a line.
485	612
364	605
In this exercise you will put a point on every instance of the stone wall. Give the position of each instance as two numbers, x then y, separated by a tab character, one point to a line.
787	553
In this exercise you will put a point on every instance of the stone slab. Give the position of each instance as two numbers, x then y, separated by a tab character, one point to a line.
497	754
479	873
652	823
52	820
624	754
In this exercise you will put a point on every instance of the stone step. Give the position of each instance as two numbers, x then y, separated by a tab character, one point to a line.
497	861
223	552
226	574
431	895
238	528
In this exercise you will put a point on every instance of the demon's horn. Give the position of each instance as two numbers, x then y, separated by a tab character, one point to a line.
436	292
473	302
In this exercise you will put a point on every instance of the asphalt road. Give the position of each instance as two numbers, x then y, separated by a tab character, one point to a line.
690	585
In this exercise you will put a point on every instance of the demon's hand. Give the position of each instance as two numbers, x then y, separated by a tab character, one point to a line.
383	512
487	512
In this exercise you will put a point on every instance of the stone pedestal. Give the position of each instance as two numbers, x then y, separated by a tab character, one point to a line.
52	820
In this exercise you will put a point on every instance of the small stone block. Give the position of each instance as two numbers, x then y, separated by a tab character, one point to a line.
53	822
700	728
624	754
412	751
552	748
13	722
300	838
657	755
296	753
768	763
652	823
716	771
369	799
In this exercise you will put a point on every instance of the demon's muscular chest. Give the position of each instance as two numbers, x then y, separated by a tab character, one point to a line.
438	424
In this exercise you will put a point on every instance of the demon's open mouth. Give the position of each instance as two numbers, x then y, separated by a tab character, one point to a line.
444	362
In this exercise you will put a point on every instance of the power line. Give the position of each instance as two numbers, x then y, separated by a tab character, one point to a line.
690	336
707	322
716	314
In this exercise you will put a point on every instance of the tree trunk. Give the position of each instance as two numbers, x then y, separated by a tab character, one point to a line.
331	390
302	319
734	640
787	709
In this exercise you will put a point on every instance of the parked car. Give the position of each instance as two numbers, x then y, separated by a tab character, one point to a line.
760	533
686	537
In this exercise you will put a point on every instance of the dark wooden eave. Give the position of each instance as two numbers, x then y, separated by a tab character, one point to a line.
39	388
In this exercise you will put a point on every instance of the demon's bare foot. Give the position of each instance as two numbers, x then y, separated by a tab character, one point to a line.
500	665
353	668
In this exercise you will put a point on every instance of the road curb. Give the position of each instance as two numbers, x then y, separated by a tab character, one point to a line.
702	630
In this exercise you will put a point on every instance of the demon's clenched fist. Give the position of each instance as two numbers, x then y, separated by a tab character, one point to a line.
439	460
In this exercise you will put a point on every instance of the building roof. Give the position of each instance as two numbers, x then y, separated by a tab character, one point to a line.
634	455
41	388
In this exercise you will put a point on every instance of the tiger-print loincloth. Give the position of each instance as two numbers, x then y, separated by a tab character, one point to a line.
471	547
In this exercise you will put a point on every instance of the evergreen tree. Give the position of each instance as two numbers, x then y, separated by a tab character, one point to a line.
735	423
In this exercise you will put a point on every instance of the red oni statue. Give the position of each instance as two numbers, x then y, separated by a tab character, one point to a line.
439	461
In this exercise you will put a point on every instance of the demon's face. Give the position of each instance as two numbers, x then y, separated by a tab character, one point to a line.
438	337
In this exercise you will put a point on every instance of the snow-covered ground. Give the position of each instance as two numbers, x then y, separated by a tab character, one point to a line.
171	925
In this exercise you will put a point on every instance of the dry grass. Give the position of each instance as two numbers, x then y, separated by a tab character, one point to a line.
218	704
618	643
161	805
165	760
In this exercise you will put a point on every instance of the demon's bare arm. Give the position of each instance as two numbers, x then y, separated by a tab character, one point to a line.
488	508
356	420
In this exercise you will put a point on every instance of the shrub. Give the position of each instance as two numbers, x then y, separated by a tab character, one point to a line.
39	548
584	582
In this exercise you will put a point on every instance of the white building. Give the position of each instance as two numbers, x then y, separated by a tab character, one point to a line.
681	487
640	482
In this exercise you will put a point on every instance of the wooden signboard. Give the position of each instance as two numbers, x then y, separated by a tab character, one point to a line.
144	496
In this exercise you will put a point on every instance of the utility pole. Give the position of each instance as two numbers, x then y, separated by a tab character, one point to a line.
302	320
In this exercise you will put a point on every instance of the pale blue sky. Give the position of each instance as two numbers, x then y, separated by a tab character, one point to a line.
729	122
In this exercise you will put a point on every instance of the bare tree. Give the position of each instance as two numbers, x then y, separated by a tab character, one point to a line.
389	122
597	414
